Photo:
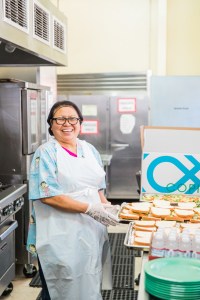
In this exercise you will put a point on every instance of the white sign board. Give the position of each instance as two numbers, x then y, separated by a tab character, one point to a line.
175	173
89	127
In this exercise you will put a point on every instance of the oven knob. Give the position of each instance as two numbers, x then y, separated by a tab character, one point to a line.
17	204
11	209
5	211
21	199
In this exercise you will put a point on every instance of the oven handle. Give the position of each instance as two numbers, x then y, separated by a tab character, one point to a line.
8	231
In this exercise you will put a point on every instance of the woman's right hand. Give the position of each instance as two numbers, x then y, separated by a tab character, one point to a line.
98	212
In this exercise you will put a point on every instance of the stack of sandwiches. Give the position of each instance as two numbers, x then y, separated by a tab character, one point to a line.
143	231
160	210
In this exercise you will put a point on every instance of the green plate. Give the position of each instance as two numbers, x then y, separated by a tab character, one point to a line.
174	269
178	285
171	289
167	296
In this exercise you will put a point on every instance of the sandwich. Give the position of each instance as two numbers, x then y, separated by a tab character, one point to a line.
186	214
142	233
149	218
142	241
142	223
162	204
186	205
160	212
143	228
165	224
141	207
129	216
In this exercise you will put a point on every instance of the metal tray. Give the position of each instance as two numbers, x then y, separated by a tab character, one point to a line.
128	241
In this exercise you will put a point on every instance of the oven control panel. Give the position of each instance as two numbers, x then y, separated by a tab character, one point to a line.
11	208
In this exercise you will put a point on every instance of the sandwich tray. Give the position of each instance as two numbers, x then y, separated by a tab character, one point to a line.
172	198
129	239
126	220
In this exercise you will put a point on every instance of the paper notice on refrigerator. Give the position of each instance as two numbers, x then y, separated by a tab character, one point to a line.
127	123
89	110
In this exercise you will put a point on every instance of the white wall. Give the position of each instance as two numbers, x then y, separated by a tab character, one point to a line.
106	35
132	35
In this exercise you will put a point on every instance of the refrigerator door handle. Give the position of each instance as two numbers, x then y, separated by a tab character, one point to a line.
119	146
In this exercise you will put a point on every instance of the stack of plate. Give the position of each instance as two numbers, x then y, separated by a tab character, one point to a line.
173	278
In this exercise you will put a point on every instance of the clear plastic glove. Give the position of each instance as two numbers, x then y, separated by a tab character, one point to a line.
113	209
100	214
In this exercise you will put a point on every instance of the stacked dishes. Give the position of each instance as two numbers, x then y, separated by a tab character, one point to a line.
173	278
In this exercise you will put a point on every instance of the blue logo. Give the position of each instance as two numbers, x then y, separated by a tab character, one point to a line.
180	185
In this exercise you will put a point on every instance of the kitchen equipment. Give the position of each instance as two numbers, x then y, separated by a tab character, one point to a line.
117	135
33	33
23	109
11	202
114	106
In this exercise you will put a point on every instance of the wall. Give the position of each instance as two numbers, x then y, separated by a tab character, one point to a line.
106	35
183	38
132	35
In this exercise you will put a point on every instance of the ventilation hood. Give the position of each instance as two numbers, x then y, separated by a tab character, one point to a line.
32	33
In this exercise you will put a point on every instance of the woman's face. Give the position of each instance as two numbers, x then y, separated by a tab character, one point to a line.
65	133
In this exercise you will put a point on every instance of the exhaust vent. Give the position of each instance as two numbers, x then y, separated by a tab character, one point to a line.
67	83
59	35
16	13
41	23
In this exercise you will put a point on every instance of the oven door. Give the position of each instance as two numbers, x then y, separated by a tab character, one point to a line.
31	120
7	252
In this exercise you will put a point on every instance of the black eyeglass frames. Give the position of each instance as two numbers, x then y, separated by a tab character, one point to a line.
70	120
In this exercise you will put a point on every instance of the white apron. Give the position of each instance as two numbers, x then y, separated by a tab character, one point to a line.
72	247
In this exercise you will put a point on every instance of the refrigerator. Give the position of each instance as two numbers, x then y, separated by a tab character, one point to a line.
112	125
23	114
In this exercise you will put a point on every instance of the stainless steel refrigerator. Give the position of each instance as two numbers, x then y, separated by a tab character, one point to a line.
23	114
112	125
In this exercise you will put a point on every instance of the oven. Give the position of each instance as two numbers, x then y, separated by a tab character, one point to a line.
11	201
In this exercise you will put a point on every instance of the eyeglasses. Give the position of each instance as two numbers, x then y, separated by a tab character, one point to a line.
70	120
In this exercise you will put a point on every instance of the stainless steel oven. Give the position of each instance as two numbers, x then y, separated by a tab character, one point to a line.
23	114
11	201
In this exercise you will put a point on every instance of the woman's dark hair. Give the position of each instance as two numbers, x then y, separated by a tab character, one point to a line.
58	105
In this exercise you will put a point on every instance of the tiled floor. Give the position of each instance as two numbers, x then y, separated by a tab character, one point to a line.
22	290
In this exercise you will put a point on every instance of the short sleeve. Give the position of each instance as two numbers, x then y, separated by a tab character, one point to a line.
43	173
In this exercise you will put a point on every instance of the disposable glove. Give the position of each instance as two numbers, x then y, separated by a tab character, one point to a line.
113	209
100	214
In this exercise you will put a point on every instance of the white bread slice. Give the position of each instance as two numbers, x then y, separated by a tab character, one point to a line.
160	212
149	218
127	206
150	229
197	210
162	203
142	233
186	205
184	213
174	218
190	225
141	207
195	220
145	223
142	241
165	224
129	216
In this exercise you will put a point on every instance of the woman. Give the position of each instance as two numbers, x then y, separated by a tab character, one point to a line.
71	211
